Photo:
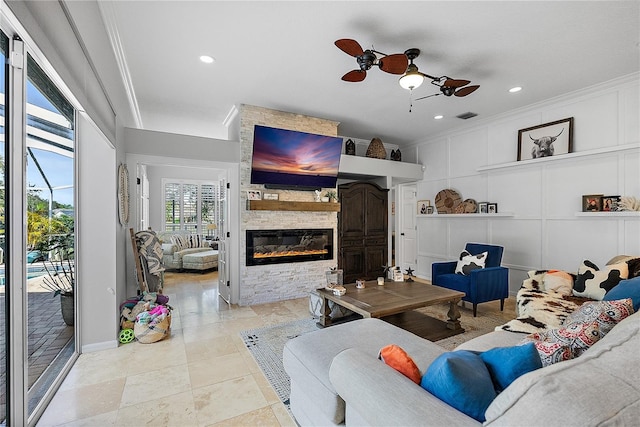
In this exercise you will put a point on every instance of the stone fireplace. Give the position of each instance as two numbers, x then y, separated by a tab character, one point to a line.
268	282
286	246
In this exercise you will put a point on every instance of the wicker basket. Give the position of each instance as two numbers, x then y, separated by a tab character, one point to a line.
376	149
150	333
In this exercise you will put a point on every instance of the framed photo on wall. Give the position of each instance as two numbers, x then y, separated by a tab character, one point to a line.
492	208
429	210
592	203
422	206
254	195
546	140
483	207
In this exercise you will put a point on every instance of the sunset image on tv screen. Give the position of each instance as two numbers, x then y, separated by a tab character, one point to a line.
288	157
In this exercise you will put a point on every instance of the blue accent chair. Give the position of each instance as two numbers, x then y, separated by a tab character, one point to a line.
482	285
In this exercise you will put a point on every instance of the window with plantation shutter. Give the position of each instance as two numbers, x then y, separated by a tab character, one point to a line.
191	206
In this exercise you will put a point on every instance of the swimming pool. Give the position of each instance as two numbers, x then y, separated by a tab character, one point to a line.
32	272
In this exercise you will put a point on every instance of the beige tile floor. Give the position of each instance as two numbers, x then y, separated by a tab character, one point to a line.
202	375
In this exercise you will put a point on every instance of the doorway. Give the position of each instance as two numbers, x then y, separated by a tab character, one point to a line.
407	242
214	218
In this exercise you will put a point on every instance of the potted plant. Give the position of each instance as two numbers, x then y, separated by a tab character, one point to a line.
60	275
332	195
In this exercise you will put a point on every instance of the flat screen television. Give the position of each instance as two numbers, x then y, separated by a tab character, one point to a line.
289	159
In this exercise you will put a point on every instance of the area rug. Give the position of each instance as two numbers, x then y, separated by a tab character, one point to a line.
266	344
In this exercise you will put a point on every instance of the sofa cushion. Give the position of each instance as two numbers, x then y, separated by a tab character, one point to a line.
605	313
467	262
603	386
626	289
505	364
557	345
461	379
394	356
594	283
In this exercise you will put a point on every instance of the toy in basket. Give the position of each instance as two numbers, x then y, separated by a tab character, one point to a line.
152	326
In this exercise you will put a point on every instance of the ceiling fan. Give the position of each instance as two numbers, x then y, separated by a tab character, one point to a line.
413	78
393	64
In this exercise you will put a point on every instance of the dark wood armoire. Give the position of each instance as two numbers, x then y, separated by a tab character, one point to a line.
362	230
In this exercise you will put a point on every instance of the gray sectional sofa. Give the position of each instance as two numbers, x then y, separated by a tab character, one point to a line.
337	379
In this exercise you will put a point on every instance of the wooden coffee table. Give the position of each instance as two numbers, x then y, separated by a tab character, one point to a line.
394	302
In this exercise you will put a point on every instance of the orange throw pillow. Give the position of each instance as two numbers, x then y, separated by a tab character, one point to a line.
395	357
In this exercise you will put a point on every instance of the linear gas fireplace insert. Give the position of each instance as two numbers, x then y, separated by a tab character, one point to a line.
283	246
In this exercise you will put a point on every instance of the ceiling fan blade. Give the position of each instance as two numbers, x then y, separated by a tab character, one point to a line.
350	47
354	76
466	90
428	96
456	83
394	64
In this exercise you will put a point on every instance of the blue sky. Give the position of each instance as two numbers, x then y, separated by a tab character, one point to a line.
57	168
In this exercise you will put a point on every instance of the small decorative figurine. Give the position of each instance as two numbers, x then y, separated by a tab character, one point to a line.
396	155
409	275
350	147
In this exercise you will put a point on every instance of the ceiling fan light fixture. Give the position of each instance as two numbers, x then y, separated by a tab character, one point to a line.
412	79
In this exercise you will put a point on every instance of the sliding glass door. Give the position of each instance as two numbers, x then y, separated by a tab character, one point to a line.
37	234
50	232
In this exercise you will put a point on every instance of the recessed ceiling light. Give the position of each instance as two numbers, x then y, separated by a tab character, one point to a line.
515	89
207	59
438	117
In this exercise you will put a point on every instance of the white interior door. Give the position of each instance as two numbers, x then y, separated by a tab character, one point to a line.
407	242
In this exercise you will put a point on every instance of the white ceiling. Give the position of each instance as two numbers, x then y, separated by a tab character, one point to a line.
281	55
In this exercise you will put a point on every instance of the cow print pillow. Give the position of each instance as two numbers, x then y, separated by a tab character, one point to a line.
468	262
594	283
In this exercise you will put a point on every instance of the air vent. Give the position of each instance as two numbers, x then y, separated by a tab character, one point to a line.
465	116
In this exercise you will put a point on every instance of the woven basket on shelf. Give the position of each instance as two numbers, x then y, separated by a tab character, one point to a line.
376	149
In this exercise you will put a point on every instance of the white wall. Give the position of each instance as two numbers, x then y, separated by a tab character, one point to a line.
96	251
543	195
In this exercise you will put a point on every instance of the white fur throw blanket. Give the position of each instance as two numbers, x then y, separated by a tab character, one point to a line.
540	309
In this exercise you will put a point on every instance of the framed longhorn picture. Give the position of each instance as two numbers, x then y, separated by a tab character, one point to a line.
549	139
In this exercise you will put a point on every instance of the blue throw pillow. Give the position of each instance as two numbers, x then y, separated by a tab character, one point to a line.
461	379
505	364
626	289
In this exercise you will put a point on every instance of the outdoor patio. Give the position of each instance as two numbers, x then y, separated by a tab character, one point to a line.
48	334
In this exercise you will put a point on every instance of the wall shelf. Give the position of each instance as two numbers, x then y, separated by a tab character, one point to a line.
568	156
468	215
282	205
620	214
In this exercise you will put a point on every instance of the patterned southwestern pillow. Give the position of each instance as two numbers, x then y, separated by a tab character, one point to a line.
557	345
594	283
605	313
468	262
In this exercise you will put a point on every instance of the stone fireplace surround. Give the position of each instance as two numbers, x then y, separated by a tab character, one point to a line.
277	282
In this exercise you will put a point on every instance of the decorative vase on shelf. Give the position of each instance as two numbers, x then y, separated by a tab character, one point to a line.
376	149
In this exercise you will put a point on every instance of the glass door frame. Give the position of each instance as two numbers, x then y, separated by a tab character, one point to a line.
20	46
